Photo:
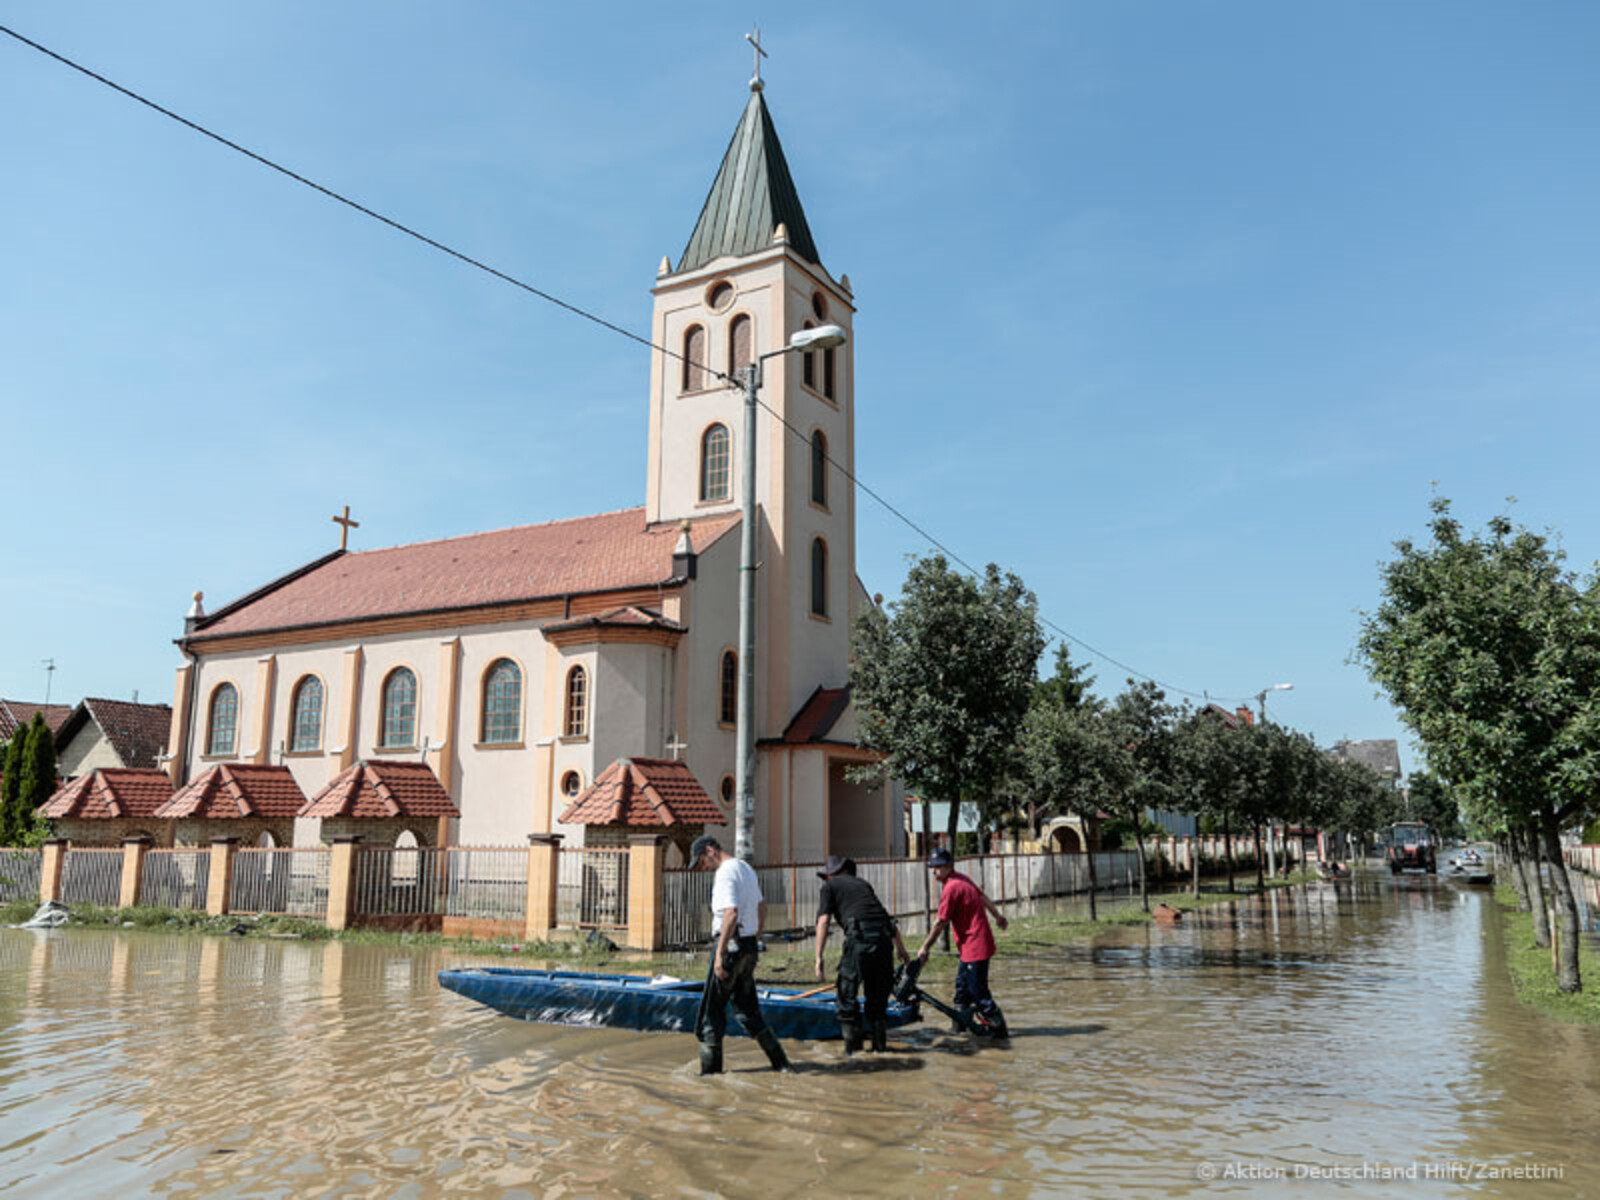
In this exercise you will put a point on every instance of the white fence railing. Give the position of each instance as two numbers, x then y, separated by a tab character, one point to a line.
175	878
19	874
92	876
487	883
280	882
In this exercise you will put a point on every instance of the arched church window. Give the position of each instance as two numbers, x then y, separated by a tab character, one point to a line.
694	358
828	373
222	723
715	475
808	364
740	344
576	720
398	726
305	721
819	468
502	703
728	705
819	577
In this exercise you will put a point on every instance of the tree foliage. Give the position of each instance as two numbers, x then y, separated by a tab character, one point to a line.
941	681
11	810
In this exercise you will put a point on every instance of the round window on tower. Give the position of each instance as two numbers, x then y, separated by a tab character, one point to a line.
727	789
719	295
571	784
819	305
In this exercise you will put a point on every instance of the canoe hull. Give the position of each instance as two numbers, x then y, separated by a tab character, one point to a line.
637	1002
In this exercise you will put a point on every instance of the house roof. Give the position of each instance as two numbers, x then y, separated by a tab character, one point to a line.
1380	755
233	790
530	562
137	732
14	714
817	716
644	793
382	789
629	617
751	196
110	792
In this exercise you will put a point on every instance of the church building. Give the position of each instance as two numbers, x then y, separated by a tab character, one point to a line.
520	665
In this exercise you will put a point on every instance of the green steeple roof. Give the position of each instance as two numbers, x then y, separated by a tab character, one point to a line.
752	195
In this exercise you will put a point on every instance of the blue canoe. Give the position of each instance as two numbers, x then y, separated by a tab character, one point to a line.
659	1005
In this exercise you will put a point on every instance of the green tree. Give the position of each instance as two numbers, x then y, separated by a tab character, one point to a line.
1140	722
941	681
1434	801
1489	647
39	780
12	814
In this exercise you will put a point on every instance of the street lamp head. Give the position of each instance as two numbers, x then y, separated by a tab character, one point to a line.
1282	687
823	337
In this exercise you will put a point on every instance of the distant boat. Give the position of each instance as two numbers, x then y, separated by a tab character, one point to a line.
661	1004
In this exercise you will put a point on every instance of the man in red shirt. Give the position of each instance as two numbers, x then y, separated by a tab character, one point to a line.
964	909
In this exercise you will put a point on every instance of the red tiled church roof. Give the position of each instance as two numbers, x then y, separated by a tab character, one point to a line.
382	789
530	562
137	732
110	792
817	716
232	790
17	714
644	793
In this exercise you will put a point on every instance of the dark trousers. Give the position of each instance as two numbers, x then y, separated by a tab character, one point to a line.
868	967
739	989
972	989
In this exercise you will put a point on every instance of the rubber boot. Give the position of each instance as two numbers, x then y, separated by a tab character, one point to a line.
994	1022
768	1041
710	1058
852	1035
880	1034
962	1022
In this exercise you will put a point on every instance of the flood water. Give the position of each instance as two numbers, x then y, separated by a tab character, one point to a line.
1367	1026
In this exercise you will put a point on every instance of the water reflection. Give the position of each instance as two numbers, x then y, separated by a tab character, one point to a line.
1341	1024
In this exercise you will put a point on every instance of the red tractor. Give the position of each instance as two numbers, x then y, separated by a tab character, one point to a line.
1411	849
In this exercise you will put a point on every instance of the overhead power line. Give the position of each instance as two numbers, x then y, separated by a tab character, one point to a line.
575	310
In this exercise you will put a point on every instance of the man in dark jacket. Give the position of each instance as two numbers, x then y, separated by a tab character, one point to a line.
871	940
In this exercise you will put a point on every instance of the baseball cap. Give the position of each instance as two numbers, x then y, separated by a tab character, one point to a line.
941	858
701	844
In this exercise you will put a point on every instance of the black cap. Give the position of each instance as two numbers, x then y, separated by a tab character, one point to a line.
837	865
941	858
701	844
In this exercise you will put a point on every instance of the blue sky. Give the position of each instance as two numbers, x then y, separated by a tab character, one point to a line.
1176	310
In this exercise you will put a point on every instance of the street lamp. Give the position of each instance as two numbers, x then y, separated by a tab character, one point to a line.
824	337
1261	707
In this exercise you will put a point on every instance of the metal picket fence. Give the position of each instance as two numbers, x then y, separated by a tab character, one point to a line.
592	888
488	883
280	881
19	874
394	881
175	878
92	875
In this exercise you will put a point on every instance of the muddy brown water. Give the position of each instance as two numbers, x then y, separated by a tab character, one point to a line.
1366	1027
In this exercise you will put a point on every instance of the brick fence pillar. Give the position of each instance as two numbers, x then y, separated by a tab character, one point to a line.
133	852
647	860
219	878
51	865
544	872
341	880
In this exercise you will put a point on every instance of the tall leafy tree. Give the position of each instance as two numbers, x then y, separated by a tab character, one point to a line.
1140	722
942	680
38	775
1433	800
1489	647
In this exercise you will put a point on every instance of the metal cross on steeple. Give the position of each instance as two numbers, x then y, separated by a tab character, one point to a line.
755	40
345	525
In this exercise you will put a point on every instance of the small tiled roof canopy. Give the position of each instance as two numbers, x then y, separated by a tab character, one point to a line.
229	791
382	789
816	718
508	566
628	617
644	793
110	792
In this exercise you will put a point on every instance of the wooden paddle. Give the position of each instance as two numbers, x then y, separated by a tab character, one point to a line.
816	991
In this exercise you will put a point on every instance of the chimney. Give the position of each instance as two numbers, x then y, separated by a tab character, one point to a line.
1246	717
196	613
683	556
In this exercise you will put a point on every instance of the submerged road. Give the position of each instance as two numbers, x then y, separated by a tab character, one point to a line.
1366	1031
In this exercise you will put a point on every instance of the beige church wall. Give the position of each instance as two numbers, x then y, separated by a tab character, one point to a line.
570	753
88	751
496	785
808	819
713	622
239	668
856	817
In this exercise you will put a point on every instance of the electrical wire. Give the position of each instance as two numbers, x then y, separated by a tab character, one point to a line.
575	310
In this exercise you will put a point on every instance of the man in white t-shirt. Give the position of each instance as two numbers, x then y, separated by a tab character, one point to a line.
737	914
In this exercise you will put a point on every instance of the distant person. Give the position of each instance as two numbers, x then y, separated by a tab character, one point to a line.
871	942
964	910
737	916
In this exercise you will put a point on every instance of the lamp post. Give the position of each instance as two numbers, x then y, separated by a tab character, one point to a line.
824	337
1261	708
